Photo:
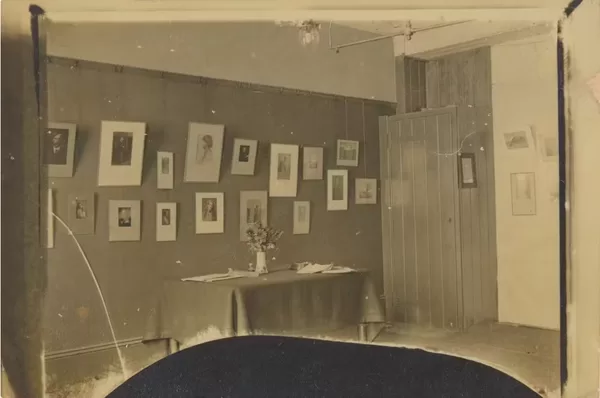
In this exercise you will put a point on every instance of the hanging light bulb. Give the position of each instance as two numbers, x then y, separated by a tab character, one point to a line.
309	33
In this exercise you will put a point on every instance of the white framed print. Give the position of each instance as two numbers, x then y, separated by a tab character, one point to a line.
365	191
337	190
283	178
204	152
244	157
301	217
312	163
253	209
59	149
210	213
164	170
347	153
121	153
124	221
166	221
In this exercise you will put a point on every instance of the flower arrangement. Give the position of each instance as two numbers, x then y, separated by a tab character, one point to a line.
262	238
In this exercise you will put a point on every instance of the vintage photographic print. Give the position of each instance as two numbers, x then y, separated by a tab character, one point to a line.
337	189
467	170
365	191
517	140
244	156
121	153
164	177
523	194
347	153
59	149
82	213
166	221
283	180
312	163
124	222
210	213
301	217
204	152
253	209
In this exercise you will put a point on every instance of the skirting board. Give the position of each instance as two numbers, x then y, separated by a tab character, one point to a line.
91	349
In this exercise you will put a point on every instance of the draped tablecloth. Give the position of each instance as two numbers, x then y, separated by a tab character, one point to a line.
278	302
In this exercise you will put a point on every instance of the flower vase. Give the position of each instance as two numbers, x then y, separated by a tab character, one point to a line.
261	262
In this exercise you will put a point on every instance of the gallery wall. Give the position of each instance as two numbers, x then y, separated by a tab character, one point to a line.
130	273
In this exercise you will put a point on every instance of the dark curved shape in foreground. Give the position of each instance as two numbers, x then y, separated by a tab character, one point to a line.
260	366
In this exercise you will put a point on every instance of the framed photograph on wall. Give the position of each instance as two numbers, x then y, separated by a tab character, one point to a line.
59	149
312	163
301	217
347	153
124	220
283	179
365	191
467	170
253	209
337	190
166	221
244	157
523	194
520	139
121	153
204	152
164	170
82	213
210	213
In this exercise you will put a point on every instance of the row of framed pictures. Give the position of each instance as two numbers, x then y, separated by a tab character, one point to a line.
122	149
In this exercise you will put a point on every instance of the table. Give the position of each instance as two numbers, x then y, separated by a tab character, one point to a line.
281	302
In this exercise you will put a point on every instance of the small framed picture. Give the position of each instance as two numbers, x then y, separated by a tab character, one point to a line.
164	170
59	149
253	209
467	170
204	152
283	179
166	221
521	139
301	217
549	149
82	209
121	153
312	163
365	191
210	213
337	190
124	221
523	194
244	157
347	153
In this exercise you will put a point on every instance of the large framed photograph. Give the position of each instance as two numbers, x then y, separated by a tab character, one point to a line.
164	170
253	209
301	217
59	149
365	191
166	221
337	190
124	220
312	163
210	213
244	157
283	179
523	194
82	217
204	152
121	153
347	153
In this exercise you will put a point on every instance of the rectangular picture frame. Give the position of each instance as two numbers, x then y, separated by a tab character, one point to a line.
253	208
347	153
204	152
82	213
301	218
337	190
312	163
166	221
467	170
365	191
59	140
124	220
244	157
121	153
523	194
164	170
283	177
210	213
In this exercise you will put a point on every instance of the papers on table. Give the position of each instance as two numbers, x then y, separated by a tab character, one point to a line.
312	268
232	274
339	270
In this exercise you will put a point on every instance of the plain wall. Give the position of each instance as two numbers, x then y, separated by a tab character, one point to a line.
524	96
254	52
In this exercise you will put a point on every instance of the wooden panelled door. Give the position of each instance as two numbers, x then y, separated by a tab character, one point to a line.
420	215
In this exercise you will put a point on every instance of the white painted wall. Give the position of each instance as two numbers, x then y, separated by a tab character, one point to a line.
524	93
254	52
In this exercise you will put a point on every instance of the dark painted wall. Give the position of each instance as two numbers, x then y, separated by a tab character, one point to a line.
130	273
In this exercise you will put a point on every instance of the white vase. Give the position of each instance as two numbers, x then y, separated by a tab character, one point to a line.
261	262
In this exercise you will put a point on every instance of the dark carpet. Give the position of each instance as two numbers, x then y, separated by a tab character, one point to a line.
262	366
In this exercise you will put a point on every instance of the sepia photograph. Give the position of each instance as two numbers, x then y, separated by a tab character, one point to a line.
81	213
125	217
80	209
204	152
165	165
124	222
312	163
337	190
347	153
166	217
121	153
122	148
283	175
209	209
244	156
165	172
253	209
209	213
166	221
284	161
517	140
58	149
301	218
365	190
56	145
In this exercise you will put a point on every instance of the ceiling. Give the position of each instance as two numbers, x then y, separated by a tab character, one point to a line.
388	27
